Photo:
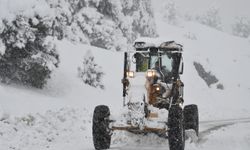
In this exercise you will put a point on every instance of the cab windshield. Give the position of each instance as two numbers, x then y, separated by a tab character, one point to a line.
167	62
161	62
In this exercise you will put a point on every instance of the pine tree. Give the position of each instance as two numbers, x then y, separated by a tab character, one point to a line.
90	72
211	18
29	56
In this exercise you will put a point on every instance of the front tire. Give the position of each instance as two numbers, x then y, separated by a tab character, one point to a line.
100	128
191	118
176	134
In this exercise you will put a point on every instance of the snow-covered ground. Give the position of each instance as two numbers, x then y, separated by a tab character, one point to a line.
59	117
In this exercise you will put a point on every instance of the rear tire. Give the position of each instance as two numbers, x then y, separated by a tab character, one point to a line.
100	127
176	134
191	118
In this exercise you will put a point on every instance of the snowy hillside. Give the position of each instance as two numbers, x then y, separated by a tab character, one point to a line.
59	117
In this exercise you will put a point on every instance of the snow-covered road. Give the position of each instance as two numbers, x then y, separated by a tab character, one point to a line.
214	134
71	129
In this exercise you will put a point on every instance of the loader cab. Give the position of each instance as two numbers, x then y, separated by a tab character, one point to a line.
166	58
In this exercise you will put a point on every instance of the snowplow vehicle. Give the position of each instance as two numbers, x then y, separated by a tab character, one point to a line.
152	97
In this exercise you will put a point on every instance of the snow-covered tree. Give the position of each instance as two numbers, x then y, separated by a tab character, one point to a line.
241	27
109	24
90	72
211	18
142	16
27	54
101	32
188	16
65	23
170	12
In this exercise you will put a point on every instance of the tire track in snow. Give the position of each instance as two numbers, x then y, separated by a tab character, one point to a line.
213	125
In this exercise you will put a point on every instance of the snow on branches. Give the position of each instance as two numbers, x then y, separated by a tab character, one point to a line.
241	27
211	18
90	72
28	54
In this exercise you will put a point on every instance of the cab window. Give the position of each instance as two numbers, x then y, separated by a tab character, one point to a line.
153	60
141	63
167	62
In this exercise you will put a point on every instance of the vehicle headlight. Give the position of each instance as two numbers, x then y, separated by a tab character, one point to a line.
157	88
151	73
131	74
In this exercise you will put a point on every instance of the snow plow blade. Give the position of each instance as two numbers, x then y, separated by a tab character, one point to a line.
137	129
